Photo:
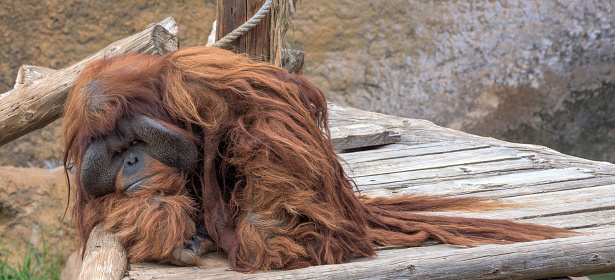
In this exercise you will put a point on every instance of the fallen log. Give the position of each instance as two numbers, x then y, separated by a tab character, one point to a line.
39	100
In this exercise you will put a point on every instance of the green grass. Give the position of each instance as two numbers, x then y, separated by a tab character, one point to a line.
607	276
31	265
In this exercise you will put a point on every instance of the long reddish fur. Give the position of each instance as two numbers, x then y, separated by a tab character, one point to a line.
291	204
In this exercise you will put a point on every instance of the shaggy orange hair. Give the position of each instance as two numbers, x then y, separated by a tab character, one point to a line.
272	192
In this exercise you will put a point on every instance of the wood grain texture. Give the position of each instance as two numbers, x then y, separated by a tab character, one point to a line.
35	104
232	14
415	131
257	41
104	257
29	73
362	135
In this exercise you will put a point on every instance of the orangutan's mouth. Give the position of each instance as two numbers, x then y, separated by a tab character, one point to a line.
136	185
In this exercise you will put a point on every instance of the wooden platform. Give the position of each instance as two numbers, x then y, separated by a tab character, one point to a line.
552	189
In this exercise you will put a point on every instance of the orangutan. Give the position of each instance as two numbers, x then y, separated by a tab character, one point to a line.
203	149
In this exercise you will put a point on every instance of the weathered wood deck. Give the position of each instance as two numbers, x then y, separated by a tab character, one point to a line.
551	189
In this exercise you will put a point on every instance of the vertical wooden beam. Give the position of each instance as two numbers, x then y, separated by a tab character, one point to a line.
232	14
259	38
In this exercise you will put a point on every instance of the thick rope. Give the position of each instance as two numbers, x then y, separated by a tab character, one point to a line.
244	28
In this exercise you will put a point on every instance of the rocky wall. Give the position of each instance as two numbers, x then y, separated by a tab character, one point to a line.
529	71
32	207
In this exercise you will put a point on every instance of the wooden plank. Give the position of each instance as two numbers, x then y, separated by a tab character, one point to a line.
457	158
596	196
292	61
580	184
480	184
343	115
448	173
575	256
564	202
557	204
362	135
415	131
104	257
398	150
589	221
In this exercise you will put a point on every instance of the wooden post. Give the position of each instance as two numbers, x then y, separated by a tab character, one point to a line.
233	13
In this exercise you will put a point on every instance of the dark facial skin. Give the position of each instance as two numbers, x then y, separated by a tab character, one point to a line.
124	155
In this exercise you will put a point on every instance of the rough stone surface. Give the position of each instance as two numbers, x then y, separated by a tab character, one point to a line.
528	71
32	204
